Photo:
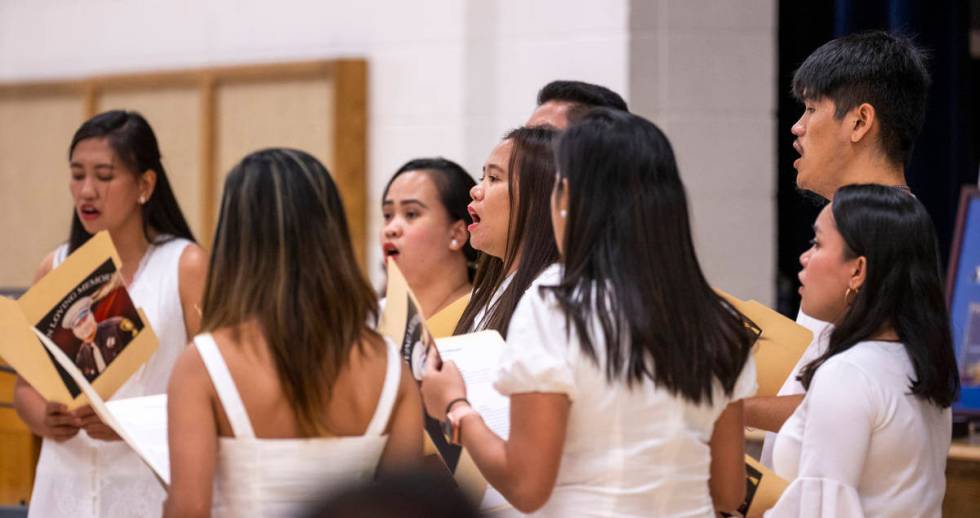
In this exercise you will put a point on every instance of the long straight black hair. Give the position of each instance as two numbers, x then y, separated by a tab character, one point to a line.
134	143
530	239
903	287
629	263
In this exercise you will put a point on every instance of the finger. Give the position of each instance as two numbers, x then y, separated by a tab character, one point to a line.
431	364
54	408
90	420
55	420
84	411
63	434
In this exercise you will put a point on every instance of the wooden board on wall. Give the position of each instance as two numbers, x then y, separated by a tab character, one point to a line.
35	131
175	117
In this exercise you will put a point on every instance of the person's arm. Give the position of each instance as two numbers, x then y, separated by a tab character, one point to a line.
770	412
404	446
727	482
193	438
192	272
840	416
524	467
43	418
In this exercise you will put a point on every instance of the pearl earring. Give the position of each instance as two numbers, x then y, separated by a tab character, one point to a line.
563	213
454	243
142	199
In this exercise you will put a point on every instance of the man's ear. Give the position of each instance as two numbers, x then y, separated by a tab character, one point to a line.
860	121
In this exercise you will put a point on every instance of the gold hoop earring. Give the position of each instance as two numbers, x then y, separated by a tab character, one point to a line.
847	296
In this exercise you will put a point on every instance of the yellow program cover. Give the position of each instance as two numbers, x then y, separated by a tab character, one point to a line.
84	308
443	323
780	345
763	488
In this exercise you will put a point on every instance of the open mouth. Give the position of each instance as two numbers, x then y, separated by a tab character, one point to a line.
88	212
474	216
390	250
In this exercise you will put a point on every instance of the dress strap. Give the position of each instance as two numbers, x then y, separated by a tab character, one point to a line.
386	402
60	254
224	385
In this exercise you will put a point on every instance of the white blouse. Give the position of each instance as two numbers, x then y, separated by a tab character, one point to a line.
628	452
861	444
792	386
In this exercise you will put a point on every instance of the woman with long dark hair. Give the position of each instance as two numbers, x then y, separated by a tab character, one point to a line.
424	232
118	183
624	369
874	427
289	391
511	227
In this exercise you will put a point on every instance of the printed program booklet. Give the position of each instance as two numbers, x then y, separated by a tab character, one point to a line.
84	309
476	356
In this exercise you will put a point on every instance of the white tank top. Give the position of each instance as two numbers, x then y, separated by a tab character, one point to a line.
281	477
83	477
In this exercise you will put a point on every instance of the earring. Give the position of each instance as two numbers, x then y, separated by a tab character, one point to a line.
847	296
563	213
454	243
142	199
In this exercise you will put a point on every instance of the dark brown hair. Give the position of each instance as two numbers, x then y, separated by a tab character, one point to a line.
530	240
282	256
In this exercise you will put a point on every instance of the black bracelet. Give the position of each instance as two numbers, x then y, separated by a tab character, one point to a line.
457	400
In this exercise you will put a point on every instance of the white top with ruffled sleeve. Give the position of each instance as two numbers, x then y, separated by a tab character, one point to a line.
628	452
861	444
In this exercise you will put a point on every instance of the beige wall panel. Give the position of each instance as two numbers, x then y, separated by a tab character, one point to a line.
174	114
257	115
36	206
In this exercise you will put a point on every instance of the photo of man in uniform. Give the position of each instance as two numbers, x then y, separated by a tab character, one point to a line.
101	341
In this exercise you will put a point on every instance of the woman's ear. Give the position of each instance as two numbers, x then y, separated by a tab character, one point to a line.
458	235
147	183
858	273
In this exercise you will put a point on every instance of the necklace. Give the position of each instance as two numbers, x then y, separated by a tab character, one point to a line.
139	267
449	297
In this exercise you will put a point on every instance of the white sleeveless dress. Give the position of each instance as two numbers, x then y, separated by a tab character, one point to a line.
281	477
84	477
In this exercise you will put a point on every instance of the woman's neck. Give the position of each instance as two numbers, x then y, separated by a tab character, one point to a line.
443	289
886	334
131	244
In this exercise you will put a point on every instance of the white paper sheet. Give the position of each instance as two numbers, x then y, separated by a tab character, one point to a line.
477	355
147	449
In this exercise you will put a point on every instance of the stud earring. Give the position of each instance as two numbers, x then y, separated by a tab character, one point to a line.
563	213
142	199
454	243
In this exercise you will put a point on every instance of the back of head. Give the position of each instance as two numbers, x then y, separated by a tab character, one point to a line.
630	262
530	240
134	143
282	256
585	94
902	288
453	184
884	70
415	494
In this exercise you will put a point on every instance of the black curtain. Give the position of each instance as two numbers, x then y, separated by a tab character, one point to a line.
944	158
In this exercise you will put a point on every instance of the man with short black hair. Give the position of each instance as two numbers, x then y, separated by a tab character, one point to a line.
865	102
561	100
864	98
